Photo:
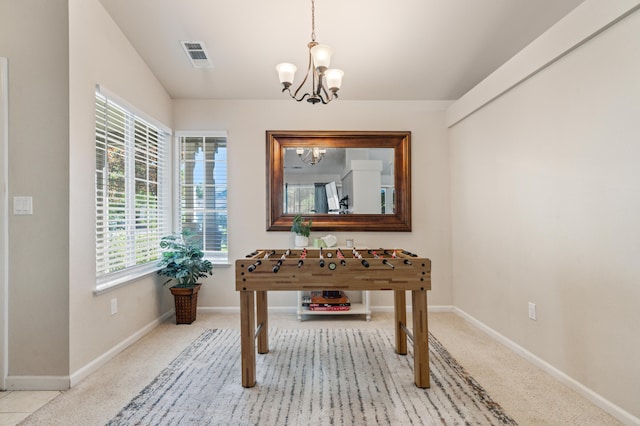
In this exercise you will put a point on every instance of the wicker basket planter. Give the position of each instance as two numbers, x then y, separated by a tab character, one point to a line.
186	299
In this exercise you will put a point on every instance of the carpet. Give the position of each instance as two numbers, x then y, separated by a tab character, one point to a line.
311	377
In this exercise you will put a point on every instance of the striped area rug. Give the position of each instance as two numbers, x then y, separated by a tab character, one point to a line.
311	377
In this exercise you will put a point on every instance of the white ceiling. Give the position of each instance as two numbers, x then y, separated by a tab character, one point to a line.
388	49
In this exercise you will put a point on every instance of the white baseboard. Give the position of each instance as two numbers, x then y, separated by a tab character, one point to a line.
293	310
616	411
94	365
220	310
37	383
430	308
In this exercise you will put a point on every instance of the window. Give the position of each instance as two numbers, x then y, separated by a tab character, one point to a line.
132	191
299	198
203	192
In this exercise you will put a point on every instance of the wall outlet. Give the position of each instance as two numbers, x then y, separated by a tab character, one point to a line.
532	311
114	306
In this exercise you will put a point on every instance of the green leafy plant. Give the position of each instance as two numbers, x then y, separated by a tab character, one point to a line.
183	260
300	227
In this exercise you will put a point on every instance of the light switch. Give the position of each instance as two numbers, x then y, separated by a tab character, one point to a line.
22	205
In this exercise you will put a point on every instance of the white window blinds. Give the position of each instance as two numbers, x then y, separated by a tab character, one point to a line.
203	192
131	174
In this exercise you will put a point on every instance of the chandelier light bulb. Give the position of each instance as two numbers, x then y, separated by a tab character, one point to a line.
334	78
321	56
286	71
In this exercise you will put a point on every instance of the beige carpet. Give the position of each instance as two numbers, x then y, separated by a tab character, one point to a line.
529	395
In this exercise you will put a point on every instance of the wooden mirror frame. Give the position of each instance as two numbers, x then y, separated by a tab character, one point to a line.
399	141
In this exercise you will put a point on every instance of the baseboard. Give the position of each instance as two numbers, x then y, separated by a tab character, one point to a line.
94	365
38	383
430	308
220	310
293	310
611	408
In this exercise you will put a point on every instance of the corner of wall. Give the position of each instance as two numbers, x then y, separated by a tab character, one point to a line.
583	23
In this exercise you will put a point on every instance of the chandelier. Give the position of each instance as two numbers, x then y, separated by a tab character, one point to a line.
311	156
325	82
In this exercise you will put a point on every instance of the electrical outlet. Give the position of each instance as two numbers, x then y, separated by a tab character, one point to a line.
532	311
114	306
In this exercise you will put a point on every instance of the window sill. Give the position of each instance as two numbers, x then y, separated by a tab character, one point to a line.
116	280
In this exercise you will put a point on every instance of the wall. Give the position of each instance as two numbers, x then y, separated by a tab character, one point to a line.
246	123
100	54
34	38
56	324
545	205
4	215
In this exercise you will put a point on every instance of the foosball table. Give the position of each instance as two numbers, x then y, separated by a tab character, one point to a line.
333	269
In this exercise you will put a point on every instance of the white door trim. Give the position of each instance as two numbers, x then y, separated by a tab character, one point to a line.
4	218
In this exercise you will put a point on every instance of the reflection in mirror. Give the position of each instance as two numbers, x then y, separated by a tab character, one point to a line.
343	180
338	180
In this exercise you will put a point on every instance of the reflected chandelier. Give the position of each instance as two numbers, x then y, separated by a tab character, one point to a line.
311	156
322	78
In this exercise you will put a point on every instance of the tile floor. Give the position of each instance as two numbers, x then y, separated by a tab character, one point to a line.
15	406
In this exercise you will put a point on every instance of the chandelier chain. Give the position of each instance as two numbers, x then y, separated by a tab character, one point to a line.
313	20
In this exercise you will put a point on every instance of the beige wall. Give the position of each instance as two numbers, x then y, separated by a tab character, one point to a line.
56	324
100	54
246	123
545	206
34	38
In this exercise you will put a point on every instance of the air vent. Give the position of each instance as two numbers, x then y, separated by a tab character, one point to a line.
197	53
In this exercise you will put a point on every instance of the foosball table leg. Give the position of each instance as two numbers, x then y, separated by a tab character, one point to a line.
263	322
420	338
400	313
247	338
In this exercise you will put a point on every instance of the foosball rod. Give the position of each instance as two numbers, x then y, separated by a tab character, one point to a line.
386	262
276	268
252	267
258	328
406	331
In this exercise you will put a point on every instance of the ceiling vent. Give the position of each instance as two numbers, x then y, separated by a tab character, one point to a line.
197	53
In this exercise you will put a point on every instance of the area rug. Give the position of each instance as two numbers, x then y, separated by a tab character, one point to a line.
311	377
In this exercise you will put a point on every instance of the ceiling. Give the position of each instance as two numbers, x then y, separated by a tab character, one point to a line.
388	49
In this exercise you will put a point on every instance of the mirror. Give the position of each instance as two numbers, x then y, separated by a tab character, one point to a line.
342	180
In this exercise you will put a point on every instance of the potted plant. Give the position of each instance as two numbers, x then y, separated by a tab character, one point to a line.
184	263
302	231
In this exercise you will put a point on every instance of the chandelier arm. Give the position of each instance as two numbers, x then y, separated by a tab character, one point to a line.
293	97
326	98
302	98
320	87
306	75
331	96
